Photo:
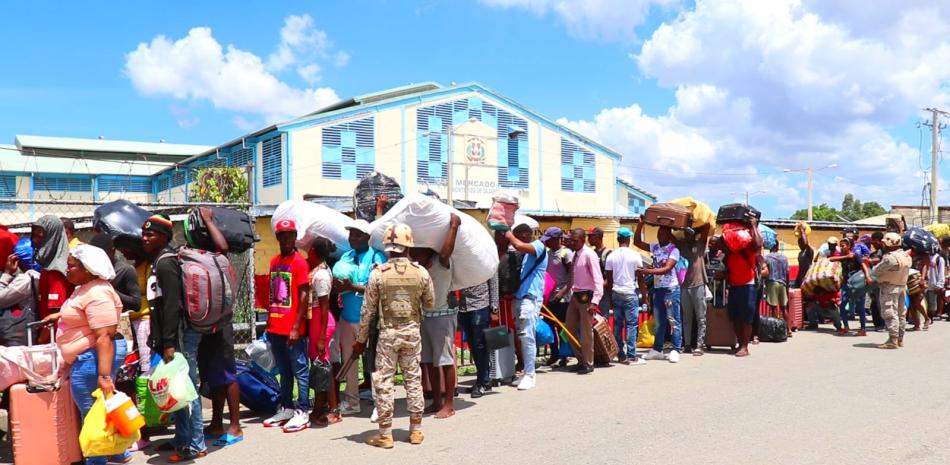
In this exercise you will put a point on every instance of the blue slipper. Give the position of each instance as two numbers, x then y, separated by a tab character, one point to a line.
227	440
212	437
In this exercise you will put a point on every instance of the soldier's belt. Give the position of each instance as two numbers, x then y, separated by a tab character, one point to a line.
437	313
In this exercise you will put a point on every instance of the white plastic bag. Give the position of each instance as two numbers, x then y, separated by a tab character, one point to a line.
524	219
315	220
260	354
171	385
475	259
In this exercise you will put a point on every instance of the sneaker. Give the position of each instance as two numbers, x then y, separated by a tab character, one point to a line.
299	422
374	417
637	361
283	416
517	380
347	409
655	355
674	356
527	382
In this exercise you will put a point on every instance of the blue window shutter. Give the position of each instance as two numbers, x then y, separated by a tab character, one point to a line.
62	184
7	191
272	161
349	149
122	184
578	168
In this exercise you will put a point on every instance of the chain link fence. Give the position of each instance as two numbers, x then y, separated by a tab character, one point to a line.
19	214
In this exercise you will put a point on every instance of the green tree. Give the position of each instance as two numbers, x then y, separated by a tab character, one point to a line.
220	185
821	212
852	209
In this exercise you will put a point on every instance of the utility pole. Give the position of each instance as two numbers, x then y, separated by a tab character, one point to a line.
934	163
811	173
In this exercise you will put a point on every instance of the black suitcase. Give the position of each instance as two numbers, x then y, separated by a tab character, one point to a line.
121	220
234	225
737	212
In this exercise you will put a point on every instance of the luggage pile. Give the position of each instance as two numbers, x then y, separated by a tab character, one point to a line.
823	276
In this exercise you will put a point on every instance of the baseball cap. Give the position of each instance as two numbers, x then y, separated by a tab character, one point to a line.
624	233
359	225
285	225
551	233
595	231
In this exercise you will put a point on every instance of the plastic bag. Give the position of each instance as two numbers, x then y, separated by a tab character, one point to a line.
475	259
501	215
98	437
146	405
938	229
806	227
769	237
565	349
371	187
736	235
772	329
260	354
543	335
313	220
170	385
524	219
646	334
122	220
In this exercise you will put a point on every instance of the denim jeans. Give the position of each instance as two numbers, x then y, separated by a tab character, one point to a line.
292	363
189	425
856	300
84	379
526	317
474	324
626	315
666	307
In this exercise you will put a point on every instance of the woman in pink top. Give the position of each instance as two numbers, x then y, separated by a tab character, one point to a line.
86	330
322	326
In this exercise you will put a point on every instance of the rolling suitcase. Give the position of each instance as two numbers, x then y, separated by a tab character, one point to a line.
44	423
669	215
796	313
501	344
719	331
737	212
605	345
234	225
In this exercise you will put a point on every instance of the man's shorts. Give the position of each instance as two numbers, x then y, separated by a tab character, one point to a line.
438	339
776	294
216	358
741	305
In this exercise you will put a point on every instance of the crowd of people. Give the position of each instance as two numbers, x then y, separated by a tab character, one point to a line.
393	310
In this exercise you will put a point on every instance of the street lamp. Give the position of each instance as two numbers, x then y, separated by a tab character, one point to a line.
748	194
811	173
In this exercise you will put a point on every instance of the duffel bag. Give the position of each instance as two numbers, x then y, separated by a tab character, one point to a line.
772	329
260	392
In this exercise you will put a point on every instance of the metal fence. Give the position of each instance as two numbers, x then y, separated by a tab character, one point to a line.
19	214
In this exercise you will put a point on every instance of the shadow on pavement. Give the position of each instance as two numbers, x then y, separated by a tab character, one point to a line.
866	345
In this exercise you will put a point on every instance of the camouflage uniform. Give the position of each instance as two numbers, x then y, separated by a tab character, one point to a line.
891	275
396	293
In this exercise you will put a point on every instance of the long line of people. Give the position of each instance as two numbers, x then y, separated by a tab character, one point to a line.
320	314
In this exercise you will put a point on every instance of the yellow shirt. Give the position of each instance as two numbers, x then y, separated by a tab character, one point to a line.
142	271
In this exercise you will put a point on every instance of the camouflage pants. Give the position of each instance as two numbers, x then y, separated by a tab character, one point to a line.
398	347
893	309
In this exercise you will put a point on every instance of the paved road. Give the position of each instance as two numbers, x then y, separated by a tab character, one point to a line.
817	399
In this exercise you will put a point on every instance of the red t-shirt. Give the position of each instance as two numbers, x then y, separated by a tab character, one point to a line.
287	274
741	266
53	290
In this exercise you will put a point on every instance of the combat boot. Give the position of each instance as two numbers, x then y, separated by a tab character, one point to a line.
889	344
384	441
900	341
416	437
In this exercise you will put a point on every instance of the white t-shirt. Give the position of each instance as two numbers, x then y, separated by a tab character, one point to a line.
441	281
624	263
320	280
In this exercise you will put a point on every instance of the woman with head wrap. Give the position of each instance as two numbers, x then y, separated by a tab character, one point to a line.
86	330
51	250
16	294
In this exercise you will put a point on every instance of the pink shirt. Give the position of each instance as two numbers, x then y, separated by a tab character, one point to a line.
587	276
92	306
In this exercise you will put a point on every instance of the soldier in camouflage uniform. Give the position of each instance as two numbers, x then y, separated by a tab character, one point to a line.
396	293
891	276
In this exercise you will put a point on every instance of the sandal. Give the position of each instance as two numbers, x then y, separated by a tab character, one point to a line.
186	456
165	447
227	440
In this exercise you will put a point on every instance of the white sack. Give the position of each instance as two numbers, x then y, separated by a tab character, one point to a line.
315	220
524	219
475	259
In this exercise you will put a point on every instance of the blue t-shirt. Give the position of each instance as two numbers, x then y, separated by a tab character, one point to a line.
533	283
362	265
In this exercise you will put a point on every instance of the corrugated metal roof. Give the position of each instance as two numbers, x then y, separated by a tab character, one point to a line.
72	146
14	160
631	186
825	224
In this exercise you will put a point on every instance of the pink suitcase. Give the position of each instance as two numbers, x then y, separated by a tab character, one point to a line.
44	427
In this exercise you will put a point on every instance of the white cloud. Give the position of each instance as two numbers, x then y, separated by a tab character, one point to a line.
592	19
302	45
761	86
341	59
309	73
197	67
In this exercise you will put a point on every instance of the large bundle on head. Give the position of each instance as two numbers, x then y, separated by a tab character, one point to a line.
475	259
501	215
823	276
524	219
314	220
235	226
938	229
702	214
921	241
122	221
769	236
369	189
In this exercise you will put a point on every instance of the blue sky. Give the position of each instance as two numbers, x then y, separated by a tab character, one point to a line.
610	75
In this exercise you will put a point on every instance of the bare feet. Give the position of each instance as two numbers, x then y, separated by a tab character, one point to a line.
433	408
445	412
743	352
